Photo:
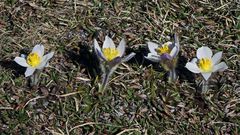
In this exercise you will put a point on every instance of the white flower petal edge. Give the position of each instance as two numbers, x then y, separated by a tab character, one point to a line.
206	75
204	52
23	56
220	67
21	61
216	58
176	41
192	67
174	52
169	44
98	50
121	47
176	47
29	71
194	60
45	60
152	47
152	57
39	49
128	57
108	43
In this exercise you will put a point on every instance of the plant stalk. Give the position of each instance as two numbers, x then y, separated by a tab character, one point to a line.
34	79
108	71
204	86
172	75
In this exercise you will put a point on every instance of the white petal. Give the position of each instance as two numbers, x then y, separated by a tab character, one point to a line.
42	65
216	58
48	56
192	67
204	52
220	67
108	43
121	47
152	47
174	52
176	41
29	71
98	50
169	44
45	60
153	57
39	49
206	75
128	57
21	61
23	56
47	64
194	60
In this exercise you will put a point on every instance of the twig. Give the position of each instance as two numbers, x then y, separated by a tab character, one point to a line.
222	6
67	127
68	94
38	97
85	124
128	130
220	122
53	132
6	108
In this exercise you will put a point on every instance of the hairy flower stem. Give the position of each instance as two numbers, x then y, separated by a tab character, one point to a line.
106	76
105	80
172	75
204	86
34	79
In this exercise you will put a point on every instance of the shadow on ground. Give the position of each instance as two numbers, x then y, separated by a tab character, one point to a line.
17	70
182	72
140	60
86	58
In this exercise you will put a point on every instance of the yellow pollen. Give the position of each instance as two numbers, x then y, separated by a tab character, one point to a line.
205	64
110	53
33	59
163	49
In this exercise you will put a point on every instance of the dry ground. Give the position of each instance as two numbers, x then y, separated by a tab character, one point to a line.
138	99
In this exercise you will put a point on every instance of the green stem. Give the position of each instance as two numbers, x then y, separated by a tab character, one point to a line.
105	80
172	75
204	86
35	78
108	71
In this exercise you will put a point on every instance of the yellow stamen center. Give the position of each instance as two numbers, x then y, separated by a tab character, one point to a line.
163	49
33	59
205	64
110	53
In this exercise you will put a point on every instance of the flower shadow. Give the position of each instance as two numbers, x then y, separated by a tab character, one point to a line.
140	60
183	72
16	69
86	58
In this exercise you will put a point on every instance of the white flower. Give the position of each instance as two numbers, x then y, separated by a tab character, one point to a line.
205	63
110	57
166	51
109	53
35	60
